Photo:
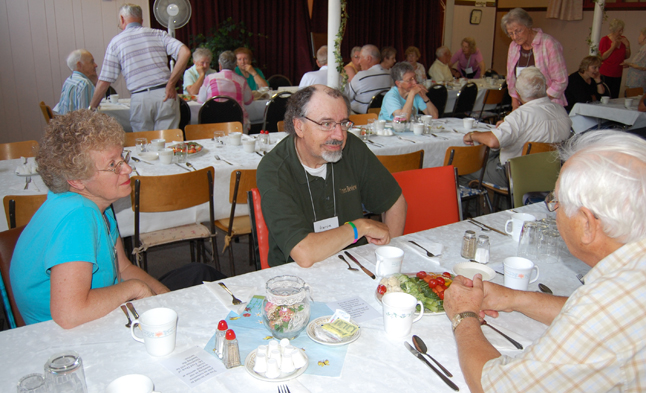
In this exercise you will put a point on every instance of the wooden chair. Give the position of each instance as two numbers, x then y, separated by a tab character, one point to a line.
155	194
220	109
280	126
403	162
492	97
633	91
205	131
13	150
47	111
532	173
538	147
173	134
276	81
19	209
432	197
275	111
362	119
376	111
8	240
241	181
259	231
468	160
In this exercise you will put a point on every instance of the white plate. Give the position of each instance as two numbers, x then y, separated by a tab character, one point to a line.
250	361
30	174
470	269
315	326
148	155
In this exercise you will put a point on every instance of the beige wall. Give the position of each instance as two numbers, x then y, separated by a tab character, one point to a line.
482	33
35	38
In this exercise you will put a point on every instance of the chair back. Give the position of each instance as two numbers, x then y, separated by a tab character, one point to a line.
276	81
438	96
205	131
376	111
220	109
467	159
634	91
403	162
48	114
432	197
259	231
275	111
538	147
535	172
8	240
184	114
466	99
490	72
280	126
376	100
13	150
361	120
173	134
19	209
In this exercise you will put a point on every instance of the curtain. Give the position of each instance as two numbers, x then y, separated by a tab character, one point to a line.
286	51
565	9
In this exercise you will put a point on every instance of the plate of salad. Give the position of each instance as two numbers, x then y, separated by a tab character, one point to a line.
427	287
193	148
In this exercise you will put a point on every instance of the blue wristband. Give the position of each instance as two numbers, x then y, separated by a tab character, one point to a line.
356	233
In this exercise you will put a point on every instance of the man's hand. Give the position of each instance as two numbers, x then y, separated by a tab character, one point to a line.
468	139
375	232
464	295
171	93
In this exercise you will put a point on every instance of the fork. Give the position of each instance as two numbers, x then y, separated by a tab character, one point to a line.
283	389
428	253
235	301
217	157
188	164
404	139
349	267
27	181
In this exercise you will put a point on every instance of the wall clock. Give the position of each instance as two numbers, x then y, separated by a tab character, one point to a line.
476	17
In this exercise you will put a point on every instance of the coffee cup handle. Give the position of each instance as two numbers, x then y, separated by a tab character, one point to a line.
421	312
535	278
507	226
132	331
377	265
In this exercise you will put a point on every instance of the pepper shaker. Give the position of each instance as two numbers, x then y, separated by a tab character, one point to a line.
231	356
468	245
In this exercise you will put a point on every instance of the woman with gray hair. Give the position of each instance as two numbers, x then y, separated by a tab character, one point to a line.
613	50
194	76
531	47
407	97
353	66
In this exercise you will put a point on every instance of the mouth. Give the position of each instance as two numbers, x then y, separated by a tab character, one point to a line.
333	145
126	183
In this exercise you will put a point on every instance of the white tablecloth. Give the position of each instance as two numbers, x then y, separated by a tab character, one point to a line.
586	116
374	363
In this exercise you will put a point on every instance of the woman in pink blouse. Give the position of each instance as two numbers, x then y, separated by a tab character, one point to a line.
613	49
469	60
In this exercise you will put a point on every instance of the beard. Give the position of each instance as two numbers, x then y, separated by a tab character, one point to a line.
332	156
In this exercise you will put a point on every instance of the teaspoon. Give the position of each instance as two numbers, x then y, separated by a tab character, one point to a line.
421	347
544	288
349	267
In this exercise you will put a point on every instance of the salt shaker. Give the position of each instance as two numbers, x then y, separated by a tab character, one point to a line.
468	245
482	249
220	337
231	353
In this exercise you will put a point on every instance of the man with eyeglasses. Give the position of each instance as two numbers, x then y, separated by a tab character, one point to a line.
407	97
595	339
316	182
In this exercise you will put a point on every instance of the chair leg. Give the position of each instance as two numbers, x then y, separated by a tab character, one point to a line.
145	264
214	253
192	245
231	264
252	260
488	201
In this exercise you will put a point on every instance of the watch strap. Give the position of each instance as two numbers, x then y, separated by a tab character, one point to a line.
461	316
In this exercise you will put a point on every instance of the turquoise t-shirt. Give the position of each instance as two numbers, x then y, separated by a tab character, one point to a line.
250	81
393	101
67	228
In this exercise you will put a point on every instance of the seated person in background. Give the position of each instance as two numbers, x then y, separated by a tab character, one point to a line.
388	57
440	71
78	89
319	178
353	66
317	77
642	107
254	77
194	76
368	82
585	85
594	341
227	83
537	120
69	264
412	55
469	60
407	96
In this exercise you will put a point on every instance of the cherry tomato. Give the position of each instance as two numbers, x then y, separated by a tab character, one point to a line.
381	289
421	275
446	274
432	283
440	280
441	295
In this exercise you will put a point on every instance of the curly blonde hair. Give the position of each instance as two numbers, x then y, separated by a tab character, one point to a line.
472	44
65	149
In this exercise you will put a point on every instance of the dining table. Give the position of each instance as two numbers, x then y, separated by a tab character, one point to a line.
585	116
375	362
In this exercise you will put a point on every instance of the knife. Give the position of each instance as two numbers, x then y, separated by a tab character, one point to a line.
184	168
368	272
132	310
135	159
420	357
488	227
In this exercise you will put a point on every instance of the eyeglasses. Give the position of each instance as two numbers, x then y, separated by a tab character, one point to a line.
516	32
330	125
117	168
411	80
551	202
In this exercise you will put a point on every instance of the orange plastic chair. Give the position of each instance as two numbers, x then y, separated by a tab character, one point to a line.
432	197
8	240
259	231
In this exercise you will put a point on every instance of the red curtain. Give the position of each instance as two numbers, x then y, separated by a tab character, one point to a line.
286	51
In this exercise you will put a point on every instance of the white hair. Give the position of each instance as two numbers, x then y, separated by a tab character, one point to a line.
131	10
441	51
321	55
531	84
202	53
74	58
606	173
371	50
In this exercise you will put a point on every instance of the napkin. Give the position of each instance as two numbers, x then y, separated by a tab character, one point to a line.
30	168
501	343
241	292
434	248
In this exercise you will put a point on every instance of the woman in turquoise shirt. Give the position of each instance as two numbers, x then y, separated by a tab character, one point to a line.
255	78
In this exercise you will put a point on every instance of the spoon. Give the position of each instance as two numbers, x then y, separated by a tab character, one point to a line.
188	164
421	347
125	311
544	288
349	267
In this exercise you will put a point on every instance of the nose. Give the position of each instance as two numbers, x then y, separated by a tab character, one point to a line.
337	132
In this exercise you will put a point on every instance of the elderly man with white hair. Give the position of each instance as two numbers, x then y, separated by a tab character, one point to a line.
440	71
79	87
318	77
537	120
595	339
368	82
194	76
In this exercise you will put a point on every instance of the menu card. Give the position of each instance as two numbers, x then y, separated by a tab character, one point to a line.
193	366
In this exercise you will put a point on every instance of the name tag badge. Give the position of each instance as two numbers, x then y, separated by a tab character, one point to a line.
327	224
518	70
468	70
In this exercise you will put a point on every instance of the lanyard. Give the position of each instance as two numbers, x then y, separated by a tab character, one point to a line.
310	191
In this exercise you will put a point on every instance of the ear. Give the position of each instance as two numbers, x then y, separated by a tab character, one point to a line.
76	184
298	127
591	226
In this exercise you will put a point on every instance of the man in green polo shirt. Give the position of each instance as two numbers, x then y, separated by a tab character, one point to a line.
315	182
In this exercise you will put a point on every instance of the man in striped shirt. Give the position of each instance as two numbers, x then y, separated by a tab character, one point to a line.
366	84
140	53
595	341
79	87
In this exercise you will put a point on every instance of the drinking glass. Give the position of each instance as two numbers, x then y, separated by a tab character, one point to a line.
140	144
64	373
371	126
218	136
549	246
33	383
529	240
181	150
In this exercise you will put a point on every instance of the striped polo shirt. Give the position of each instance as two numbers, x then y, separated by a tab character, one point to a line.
76	94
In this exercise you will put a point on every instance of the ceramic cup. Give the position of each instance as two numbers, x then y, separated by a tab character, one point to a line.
605	100
516	224
389	260
426	119
132	383
468	122
166	156
159	328
628	103
249	145
234	139
114	98
518	272
418	128
158	144
399	313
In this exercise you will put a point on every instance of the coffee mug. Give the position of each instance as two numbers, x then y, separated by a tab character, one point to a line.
114	98
468	123
605	100
166	156
249	145
132	383
518	272
426	119
389	260
158	144
399	311
234	139
517	220
159	328
628	103
418	128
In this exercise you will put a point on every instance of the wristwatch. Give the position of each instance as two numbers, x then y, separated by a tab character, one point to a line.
427	101
459	317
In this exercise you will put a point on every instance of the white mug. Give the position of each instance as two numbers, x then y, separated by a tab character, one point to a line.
114	98
518	271
389	260
249	145
467	123
235	139
158	144
426	119
628	103
418	128
380	125
605	100
131	383
166	156
159	328
516	221
399	311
